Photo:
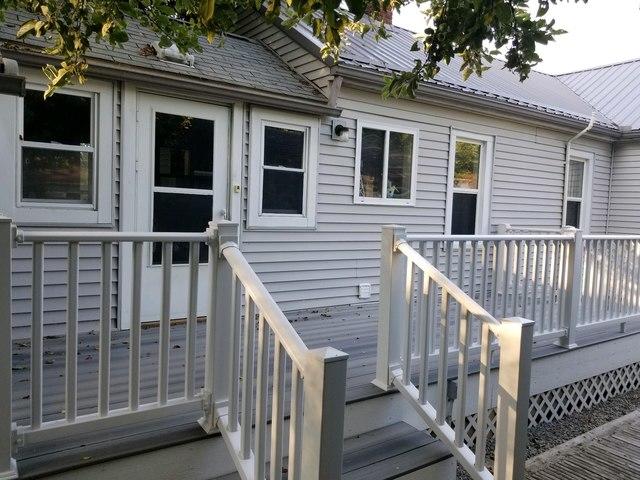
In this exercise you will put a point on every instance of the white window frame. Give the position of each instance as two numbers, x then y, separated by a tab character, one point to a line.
310	125
387	128
587	158
483	192
43	212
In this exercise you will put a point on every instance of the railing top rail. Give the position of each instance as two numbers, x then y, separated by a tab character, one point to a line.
494	238
278	322
23	236
456	292
611	237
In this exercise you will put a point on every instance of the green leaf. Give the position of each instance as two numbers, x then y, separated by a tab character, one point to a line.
207	7
26	28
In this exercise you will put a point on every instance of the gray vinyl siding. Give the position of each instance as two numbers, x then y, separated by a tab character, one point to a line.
324	266
300	60
624	217
56	270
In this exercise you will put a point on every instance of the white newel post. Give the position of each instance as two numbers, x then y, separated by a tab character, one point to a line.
219	318
514	378
393	305
8	467
572	283
325	380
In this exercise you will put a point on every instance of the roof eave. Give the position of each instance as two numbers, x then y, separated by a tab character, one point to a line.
438	94
155	78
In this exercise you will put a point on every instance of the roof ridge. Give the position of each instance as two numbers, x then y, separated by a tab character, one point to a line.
599	67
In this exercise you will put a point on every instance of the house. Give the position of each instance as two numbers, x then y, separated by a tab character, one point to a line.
310	162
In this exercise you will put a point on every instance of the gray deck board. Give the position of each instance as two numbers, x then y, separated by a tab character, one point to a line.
609	451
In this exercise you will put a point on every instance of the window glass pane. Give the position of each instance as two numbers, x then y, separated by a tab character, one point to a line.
576	176
59	119
180	212
184	152
56	175
573	214
282	191
463	220
467	165
283	147
371	162
400	158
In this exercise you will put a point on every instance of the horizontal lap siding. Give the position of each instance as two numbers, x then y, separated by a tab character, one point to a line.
625	190
324	266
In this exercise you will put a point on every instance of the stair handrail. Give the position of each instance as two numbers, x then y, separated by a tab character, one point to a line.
396	359
318	376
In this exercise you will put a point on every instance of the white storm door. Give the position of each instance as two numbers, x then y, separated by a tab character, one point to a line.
182	184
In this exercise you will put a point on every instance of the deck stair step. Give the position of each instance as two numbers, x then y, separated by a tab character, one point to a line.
398	451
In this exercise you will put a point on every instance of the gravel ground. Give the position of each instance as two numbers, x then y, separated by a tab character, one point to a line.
549	435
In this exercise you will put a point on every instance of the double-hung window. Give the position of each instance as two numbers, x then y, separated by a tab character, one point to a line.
386	161
282	180
468	193
577	186
62	162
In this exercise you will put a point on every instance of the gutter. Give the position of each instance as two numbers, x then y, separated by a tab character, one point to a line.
444	96
156	78
567	161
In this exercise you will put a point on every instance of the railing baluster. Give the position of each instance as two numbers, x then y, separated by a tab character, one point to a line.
636	277
604	280
443	359
484	400
464	339
234	353
537	246
36	335
433	304
262	381
406	360
134	334
595	293
246	420
165	324
557	284
508	277
613	265
295	425
71	354
105	333
425	318
277	411
192	321
547	294
520	266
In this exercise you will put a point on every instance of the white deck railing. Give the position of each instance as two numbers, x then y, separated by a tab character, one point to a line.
404	323
318	377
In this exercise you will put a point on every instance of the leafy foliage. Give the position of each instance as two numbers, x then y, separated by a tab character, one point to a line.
476	30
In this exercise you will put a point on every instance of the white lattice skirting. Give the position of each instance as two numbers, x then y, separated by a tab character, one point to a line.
559	402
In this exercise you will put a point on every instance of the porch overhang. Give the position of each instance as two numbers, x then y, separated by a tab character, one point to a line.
153	78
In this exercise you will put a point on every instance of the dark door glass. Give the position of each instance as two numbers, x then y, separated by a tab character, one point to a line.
180	212
573	214
463	220
183	152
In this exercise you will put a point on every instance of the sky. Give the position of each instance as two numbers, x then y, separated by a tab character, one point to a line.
599	33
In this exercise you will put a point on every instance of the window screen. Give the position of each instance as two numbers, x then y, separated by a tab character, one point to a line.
576	179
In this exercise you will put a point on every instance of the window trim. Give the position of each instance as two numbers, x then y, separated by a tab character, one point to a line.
387	128
42	212
483	203
587	158
261	118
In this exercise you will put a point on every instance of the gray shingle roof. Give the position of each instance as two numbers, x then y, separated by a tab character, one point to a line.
238	61
540	91
613	89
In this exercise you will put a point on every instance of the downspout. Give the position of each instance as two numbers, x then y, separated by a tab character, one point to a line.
567	160
611	166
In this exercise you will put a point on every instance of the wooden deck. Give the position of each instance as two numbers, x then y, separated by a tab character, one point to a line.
611	451
350	328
